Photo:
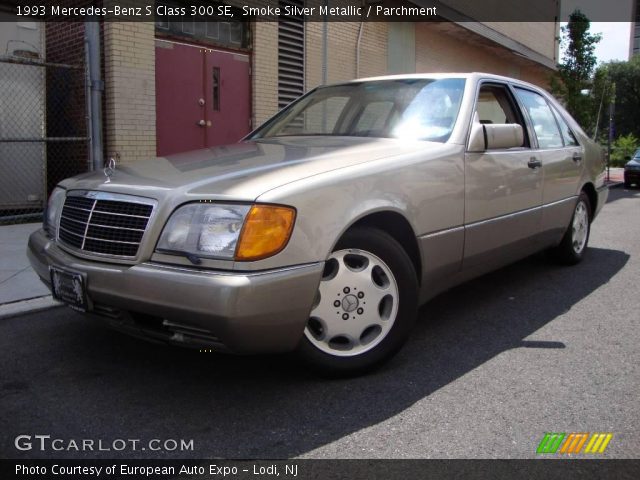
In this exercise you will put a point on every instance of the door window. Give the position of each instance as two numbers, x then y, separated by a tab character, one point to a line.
216	89
496	106
544	122
567	135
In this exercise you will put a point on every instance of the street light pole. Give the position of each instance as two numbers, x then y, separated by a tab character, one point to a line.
612	107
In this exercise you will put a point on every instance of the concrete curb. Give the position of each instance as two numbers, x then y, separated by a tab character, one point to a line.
31	305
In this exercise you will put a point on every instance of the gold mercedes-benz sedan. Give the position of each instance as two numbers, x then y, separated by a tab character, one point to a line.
323	231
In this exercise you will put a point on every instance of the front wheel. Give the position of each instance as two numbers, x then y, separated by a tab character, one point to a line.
365	306
572	248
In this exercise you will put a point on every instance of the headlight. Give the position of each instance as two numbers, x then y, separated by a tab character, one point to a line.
227	231
52	213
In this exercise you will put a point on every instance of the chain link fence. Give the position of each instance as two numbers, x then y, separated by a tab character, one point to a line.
43	133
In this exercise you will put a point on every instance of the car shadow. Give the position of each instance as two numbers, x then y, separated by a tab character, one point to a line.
72	378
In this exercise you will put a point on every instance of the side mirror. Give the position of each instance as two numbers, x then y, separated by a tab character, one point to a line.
494	136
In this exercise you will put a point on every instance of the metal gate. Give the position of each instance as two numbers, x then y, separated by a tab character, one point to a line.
43	132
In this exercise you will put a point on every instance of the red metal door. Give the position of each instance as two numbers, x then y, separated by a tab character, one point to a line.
228	106
179	89
202	97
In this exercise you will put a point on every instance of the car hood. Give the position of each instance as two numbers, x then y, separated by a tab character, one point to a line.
245	170
633	163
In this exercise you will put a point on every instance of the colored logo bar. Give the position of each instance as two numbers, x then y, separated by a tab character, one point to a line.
574	442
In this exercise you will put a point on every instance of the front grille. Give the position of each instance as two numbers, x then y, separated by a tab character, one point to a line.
107	224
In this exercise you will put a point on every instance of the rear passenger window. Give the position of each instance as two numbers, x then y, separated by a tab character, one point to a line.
567	135
544	122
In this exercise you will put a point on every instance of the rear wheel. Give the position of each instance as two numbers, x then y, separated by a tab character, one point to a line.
365	305
572	248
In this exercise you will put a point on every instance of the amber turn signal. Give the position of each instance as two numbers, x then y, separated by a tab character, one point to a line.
265	232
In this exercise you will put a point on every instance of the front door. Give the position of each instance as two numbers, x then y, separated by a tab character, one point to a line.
503	189
202	97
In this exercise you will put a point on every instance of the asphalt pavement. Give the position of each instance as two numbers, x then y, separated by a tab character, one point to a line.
491	367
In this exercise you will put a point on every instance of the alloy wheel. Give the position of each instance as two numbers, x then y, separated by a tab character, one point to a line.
356	304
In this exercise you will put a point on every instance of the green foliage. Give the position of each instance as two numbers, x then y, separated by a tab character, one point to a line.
624	146
575	71
602	93
626	78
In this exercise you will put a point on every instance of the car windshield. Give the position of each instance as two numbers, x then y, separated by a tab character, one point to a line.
636	156
421	109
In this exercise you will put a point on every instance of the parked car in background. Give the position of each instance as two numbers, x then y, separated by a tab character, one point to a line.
325	229
632	171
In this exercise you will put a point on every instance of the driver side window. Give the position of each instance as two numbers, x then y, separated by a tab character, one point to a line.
495	106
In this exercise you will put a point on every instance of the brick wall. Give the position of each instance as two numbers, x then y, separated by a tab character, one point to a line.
130	90
446	47
342	38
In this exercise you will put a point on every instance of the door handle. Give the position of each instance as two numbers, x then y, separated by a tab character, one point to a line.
577	157
534	163
201	123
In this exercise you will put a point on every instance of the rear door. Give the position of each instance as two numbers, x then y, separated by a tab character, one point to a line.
503	188
561	156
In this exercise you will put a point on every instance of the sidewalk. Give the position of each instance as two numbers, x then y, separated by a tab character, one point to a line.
20	288
616	176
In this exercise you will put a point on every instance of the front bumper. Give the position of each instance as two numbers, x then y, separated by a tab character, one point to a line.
255	312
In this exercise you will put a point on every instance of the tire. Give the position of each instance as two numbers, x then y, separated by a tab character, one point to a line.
627	185
345	335
573	246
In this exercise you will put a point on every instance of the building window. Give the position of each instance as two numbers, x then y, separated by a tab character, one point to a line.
214	30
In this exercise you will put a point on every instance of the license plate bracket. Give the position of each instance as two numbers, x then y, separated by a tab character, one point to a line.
69	288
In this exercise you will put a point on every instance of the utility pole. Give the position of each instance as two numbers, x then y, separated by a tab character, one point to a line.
96	87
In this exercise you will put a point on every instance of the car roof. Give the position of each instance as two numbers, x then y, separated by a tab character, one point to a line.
475	76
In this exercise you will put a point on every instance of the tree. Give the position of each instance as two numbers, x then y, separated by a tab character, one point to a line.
623	148
602	93
575	71
626	78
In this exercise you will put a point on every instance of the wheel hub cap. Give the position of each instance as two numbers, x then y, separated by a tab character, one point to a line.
356	304
580	227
